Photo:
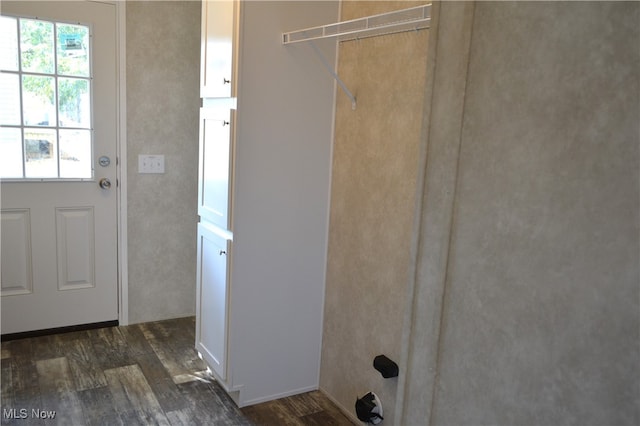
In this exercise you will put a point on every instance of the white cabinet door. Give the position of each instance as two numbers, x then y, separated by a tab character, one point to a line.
212	292
214	174
218	18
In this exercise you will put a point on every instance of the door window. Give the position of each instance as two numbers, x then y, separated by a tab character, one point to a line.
45	106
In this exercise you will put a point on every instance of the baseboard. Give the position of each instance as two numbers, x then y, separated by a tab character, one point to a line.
276	396
58	330
351	416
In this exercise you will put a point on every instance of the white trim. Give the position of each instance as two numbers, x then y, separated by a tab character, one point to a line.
121	189
275	396
332	140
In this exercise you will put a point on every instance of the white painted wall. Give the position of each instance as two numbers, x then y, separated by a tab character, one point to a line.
281	198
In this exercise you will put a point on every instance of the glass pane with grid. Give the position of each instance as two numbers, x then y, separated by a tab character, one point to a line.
45	107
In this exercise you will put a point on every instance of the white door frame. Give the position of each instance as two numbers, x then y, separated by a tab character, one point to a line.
121	166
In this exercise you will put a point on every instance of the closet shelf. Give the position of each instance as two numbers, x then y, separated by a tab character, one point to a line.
411	19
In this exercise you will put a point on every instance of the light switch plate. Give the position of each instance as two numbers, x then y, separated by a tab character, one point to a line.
150	163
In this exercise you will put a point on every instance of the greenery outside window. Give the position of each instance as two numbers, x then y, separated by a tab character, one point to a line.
45	100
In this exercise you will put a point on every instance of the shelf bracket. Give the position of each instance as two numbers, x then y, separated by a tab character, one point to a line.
334	75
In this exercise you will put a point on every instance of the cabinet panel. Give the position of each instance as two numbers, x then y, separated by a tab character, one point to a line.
218	18
273	297
212	274
214	174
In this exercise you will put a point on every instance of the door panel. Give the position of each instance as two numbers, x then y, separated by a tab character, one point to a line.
16	252
215	166
217	48
76	248
61	235
212	291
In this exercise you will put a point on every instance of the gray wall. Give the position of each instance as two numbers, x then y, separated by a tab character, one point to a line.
374	175
526	302
163	65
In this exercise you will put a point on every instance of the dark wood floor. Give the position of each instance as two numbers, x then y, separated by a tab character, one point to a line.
142	374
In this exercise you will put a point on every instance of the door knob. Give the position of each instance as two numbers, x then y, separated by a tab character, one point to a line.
104	183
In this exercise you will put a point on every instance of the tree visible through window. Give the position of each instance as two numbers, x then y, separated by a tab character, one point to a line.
45	106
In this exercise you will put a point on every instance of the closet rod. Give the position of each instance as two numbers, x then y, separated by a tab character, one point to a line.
411	19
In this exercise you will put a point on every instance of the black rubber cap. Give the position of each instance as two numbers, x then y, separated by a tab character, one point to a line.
385	366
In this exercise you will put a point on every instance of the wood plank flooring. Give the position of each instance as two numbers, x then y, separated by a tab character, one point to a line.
142	374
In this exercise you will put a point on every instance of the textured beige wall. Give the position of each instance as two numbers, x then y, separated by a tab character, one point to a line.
540	274
375	161
163	57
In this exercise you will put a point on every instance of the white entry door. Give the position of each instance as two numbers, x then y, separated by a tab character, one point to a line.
58	143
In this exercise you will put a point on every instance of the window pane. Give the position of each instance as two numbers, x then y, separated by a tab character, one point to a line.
40	152
73	50
75	154
38	94
10	153
73	94
36	45
9	45
9	99
45	99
